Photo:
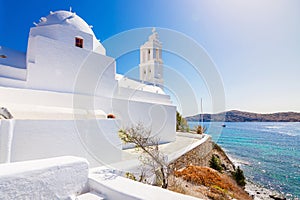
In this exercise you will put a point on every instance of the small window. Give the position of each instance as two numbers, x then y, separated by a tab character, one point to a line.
3	56
79	42
149	52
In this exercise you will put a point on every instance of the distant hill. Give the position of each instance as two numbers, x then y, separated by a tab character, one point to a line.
239	116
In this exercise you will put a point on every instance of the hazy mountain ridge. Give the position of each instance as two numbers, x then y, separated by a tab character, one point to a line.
240	116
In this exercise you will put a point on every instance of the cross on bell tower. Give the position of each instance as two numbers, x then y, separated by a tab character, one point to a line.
151	64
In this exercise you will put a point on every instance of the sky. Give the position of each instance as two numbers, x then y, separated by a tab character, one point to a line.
254	44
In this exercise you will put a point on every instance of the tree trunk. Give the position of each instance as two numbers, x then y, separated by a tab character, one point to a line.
164	178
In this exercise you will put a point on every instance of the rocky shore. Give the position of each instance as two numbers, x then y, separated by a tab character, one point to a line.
255	191
258	192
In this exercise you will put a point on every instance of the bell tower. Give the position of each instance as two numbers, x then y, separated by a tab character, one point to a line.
151	64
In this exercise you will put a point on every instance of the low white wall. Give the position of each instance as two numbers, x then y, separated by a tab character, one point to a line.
160	119
55	178
113	186
95	140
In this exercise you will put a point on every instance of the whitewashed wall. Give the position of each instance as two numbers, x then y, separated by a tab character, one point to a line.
139	95
95	140
67	34
55	178
56	66
160	118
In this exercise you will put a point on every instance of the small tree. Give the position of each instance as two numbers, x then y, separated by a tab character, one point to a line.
178	120
151	156
215	163
181	123
239	177
200	129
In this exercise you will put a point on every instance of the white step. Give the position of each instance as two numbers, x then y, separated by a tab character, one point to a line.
9	82
90	196
13	72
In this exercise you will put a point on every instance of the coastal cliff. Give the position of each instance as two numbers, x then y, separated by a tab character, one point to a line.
192	175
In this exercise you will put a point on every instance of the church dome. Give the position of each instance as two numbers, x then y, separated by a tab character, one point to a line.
66	18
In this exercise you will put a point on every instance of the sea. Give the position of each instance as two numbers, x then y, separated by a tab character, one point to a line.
268	152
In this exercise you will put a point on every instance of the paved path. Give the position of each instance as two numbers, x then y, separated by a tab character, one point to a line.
184	142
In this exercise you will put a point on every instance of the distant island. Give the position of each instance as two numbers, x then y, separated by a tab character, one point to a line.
240	116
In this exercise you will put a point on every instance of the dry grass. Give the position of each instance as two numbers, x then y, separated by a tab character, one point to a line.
211	183
177	184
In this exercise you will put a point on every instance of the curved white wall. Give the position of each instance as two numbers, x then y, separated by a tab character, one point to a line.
66	35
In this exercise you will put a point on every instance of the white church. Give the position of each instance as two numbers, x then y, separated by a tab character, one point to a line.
62	90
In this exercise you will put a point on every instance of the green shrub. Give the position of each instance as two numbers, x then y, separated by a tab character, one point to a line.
130	176
239	177
215	163
178	120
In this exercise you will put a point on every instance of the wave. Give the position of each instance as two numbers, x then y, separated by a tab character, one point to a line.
274	127
236	161
285	131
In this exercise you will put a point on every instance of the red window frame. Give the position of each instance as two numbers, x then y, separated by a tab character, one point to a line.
79	42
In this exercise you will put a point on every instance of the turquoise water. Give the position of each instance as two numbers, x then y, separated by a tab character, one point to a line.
269	152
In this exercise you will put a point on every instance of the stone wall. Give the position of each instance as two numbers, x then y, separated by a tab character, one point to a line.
200	156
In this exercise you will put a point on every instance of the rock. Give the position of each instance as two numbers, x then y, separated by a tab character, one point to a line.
277	197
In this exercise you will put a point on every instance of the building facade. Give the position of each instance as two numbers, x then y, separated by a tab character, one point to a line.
65	77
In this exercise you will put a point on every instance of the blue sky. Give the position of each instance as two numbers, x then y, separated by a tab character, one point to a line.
255	44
